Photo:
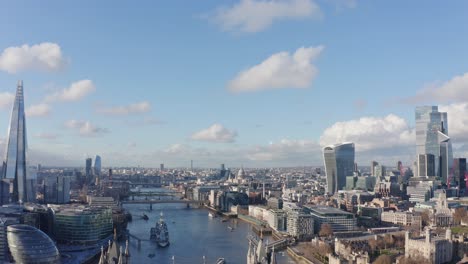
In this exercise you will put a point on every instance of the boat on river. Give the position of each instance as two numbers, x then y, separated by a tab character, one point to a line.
160	233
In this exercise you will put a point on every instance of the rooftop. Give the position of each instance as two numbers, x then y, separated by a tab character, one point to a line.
326	210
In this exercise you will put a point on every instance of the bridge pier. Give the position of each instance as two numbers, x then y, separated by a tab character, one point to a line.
151	206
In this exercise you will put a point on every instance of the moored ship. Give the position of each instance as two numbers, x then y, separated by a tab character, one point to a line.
160	233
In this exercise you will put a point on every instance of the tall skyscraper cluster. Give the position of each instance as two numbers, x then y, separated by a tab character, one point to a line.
433	145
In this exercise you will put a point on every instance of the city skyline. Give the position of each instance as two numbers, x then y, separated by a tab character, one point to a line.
193	83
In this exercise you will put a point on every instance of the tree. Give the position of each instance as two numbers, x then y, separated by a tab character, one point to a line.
458	215
383	259
388	239
425	217
326	230
372	244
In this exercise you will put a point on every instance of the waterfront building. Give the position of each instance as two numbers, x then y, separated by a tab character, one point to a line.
15	166
79	224
28	244
401	218
5	221
339	163
227	200
276	219
88	172
56	189
97	166
201	193
432	138
435	249
300	225
339	220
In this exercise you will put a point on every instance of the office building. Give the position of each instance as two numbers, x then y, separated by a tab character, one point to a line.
459	171
339	163
402	218
97	166
432	138
339	220
28	244
372	167
57	189
380	171
161	167
81	225
15	168
300	225
426	165
88	172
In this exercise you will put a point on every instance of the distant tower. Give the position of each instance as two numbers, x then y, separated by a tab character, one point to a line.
372	168
88	173
16	164
191	165
97	165
161	167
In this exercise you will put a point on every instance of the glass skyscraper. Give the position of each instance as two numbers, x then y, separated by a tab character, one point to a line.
97	165
339	163
432	138
15	165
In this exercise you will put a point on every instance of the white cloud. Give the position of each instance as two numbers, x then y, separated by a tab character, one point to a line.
215	133
454	90
44	56
38	110
371	133
286	150
280	70
257	15
6	100
85	128
75	92
457	121
136	108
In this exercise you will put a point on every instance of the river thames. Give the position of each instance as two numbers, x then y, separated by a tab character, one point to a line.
193	234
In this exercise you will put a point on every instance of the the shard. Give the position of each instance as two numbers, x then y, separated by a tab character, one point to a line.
15	168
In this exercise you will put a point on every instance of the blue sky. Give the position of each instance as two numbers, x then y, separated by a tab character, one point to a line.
219	81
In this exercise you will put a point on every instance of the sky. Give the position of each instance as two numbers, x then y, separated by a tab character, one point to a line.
253	83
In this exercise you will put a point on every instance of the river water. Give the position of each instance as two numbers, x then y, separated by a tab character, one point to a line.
193	234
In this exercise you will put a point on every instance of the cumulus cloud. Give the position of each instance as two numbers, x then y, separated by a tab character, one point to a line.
136	108
454	90
38	110
370	133
215	133
75	92
85	128
6	100
45	56
457	121
257	15
280	70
